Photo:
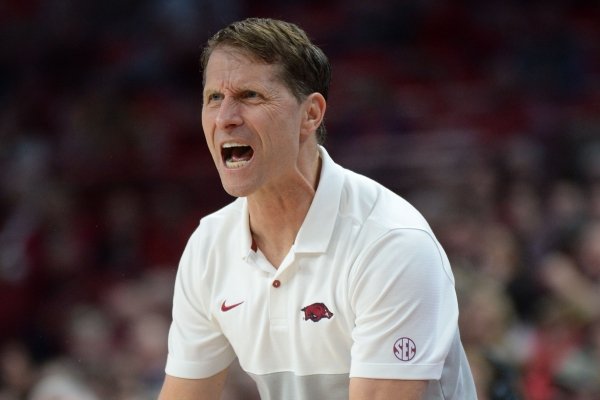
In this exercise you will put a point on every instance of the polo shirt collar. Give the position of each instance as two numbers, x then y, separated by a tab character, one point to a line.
317	228
244	229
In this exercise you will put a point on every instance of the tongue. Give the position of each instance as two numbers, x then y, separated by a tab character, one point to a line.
241	154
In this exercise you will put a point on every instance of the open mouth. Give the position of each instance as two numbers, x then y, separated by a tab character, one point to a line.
236	155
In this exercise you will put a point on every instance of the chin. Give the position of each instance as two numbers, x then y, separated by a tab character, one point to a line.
237	182
234	190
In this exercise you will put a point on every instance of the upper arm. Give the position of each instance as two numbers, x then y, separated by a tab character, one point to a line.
405	307
386	389
197	346
193	389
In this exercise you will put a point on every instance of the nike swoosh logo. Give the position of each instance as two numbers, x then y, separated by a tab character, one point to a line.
225	308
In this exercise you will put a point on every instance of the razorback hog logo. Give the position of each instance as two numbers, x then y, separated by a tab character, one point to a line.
316	311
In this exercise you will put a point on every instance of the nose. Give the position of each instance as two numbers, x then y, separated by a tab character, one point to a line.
228	115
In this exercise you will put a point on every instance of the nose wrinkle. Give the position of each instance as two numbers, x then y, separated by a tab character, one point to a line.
228	114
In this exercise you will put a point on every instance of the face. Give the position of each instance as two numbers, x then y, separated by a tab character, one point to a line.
251	121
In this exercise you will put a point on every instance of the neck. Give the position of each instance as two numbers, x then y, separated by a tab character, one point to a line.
276	215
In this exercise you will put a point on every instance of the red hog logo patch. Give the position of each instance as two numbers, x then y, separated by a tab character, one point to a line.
316	311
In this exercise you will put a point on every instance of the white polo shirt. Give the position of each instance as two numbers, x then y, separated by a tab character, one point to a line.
365	291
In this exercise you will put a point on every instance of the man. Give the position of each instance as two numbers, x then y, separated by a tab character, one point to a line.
323	283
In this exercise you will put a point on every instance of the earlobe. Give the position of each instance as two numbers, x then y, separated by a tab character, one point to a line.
314	114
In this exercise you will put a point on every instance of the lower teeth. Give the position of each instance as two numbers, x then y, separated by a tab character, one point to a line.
235	164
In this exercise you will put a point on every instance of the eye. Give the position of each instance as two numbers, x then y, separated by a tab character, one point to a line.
250	94
213	97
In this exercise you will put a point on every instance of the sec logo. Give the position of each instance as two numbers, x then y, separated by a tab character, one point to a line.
405	349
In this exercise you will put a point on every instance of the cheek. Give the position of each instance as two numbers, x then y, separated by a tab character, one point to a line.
204	120
207	126
288	124
208	130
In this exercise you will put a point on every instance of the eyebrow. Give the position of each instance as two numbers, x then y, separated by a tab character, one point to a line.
261	89
210	91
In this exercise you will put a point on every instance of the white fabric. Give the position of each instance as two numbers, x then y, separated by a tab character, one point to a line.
362	251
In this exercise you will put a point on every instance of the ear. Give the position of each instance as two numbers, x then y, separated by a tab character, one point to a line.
315	105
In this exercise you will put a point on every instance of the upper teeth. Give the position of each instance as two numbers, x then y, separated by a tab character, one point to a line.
232	144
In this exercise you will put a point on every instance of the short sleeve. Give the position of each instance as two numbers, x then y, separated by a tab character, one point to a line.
402	293
197	347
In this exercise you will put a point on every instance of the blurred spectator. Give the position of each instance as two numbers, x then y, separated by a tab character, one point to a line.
60	381
491	337
17	371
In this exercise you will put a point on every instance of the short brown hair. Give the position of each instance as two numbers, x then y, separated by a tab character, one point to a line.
305	69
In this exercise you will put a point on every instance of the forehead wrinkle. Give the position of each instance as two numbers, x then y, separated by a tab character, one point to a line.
235	60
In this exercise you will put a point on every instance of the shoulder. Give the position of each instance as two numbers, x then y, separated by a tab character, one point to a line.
373	204
389	229
229	214
219	222
215	231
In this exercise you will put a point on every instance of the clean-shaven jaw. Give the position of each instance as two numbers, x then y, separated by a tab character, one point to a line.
236	155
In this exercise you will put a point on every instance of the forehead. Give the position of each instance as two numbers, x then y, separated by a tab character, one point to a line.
232	66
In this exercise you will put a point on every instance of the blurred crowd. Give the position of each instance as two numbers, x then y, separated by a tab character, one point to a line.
485	115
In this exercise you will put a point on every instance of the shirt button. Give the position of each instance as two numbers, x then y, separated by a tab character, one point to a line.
276	283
